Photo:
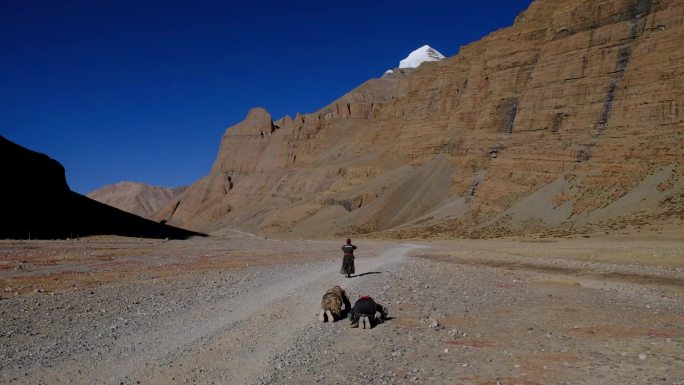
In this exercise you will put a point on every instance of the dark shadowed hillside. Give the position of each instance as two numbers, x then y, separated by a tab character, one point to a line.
38	204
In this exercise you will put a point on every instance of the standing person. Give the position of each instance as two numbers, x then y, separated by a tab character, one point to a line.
348	260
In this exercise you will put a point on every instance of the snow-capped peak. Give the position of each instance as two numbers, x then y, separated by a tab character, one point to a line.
422	54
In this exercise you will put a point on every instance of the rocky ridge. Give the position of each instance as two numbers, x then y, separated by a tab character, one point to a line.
571	119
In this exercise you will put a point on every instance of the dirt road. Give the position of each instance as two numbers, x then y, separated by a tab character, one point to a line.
237	338
242	311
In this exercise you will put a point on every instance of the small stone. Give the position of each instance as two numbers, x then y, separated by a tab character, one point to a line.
642	357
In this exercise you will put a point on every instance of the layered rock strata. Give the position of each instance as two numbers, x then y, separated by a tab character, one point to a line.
573	116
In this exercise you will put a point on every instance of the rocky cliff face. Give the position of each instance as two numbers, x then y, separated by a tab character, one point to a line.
136	198
572	117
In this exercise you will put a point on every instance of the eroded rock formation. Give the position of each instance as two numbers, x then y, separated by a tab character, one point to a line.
571	117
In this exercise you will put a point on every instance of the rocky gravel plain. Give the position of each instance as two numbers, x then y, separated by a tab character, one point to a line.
468	324
242	311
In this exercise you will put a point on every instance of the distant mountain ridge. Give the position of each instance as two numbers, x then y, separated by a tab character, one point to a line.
420	56
136	198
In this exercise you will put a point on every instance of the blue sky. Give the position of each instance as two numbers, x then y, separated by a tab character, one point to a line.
143	90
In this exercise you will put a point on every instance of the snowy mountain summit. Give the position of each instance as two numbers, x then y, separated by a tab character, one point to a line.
422	54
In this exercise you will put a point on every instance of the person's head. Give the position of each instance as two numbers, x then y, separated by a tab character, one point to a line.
348	241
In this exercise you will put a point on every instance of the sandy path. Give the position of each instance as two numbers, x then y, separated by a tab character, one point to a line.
233	342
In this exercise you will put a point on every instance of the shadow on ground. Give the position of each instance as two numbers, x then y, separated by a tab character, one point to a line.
362	274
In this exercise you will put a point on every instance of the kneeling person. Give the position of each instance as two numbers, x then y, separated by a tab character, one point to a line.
364	311
331	304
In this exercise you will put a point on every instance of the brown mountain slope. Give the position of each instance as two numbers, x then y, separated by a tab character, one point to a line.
136	198
573	117
38	204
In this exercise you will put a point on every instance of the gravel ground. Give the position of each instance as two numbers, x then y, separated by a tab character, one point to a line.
82	334
473	325
453	320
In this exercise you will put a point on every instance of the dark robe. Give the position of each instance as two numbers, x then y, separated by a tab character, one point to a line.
366	306
348	260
